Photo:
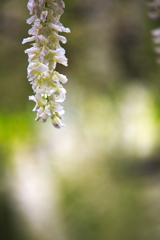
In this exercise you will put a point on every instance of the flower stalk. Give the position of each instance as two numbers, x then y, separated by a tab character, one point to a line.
43	56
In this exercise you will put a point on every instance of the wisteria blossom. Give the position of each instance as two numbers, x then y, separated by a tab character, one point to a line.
43	55
155	14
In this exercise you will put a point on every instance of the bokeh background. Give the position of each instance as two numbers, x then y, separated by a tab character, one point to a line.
99	177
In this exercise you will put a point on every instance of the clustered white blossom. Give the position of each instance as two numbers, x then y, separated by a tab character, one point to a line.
155	14
43	56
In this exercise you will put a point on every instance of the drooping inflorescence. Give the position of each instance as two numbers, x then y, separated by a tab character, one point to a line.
43	56
155	6
155	14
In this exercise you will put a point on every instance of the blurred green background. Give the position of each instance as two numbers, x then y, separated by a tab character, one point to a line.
99	177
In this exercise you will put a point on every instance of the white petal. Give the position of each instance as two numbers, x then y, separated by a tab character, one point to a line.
60	38
31	50
29	39
62	78
32	98
59	114
56	122
42	39
54	26
48	110
156	32
44	117
61	3
31	19
64	29
30	6
44	16
62	59
41	68
56	107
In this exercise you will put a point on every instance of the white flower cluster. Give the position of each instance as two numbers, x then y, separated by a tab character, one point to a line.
43	56
155	14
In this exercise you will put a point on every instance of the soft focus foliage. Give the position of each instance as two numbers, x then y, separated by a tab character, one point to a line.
97	178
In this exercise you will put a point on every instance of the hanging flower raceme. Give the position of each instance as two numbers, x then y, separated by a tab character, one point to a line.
43	56
155	6
155	14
